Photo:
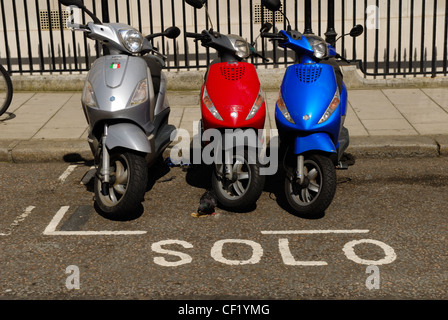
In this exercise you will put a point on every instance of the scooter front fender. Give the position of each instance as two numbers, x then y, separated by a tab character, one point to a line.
314	142
129	136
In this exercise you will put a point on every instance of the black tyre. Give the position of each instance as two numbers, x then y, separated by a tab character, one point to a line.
244	189
316	194
5	90
127	187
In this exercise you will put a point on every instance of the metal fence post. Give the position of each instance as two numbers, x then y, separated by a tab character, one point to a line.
48	49
105	18
105	11
308	18
331	32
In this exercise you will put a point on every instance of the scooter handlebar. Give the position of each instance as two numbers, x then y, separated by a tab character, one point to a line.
272	36
269	35
194	35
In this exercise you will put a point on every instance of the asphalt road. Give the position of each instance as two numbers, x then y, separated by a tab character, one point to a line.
383	237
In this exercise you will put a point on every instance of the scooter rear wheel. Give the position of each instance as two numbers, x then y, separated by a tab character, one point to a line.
244	189
127	188
6	90
315	195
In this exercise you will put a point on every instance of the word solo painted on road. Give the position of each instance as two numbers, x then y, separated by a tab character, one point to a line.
179	258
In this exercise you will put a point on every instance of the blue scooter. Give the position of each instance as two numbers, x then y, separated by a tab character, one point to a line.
310	114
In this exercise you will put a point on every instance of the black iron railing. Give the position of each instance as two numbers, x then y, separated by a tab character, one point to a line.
402	37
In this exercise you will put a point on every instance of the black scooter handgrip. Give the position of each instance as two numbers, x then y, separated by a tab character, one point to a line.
194	35
273	36
269	35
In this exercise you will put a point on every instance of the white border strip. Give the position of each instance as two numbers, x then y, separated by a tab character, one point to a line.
50	230
315	231
67	172
94	233
18	220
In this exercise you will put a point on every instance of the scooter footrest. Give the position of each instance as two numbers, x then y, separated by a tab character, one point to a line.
164	137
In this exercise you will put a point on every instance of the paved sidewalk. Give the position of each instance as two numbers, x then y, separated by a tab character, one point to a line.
42	126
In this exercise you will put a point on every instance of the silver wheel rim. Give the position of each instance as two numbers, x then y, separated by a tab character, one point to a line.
241	171
120	171
307	195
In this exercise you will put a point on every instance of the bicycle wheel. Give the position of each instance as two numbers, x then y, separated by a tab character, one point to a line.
5	90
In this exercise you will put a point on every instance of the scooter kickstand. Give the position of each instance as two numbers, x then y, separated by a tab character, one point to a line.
342	166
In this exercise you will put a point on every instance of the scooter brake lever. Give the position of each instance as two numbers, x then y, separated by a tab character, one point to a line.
159	54
215	34
338	56
260	56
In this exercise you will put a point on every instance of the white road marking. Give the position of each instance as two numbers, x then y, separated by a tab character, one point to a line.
94	233
67	172
184	258
217	254
314	231
50	230
349	251
19	219
55	221
289	260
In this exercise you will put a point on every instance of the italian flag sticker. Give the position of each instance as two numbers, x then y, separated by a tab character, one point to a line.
115	65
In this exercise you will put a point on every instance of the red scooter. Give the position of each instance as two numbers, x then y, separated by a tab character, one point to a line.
232	103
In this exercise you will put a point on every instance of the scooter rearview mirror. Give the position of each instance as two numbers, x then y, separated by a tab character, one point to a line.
272	5
198	4
266	27
172	32
357	31
68	3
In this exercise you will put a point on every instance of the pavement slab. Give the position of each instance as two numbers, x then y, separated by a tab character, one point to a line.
383	122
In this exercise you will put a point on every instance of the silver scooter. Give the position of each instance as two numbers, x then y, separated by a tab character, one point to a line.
125	106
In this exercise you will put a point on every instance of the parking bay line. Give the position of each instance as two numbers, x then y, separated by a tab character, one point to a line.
51	228
67	172
284	232
19	219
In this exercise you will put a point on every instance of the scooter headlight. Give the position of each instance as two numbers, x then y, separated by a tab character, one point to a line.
319	46
257	105
242	49
331	108
282	107
88	96
210	106
131	39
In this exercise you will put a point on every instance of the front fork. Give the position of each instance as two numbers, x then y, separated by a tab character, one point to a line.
105	164
300	176
227	168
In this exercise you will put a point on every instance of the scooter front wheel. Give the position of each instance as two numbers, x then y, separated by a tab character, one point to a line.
125	192
315	194
244	187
